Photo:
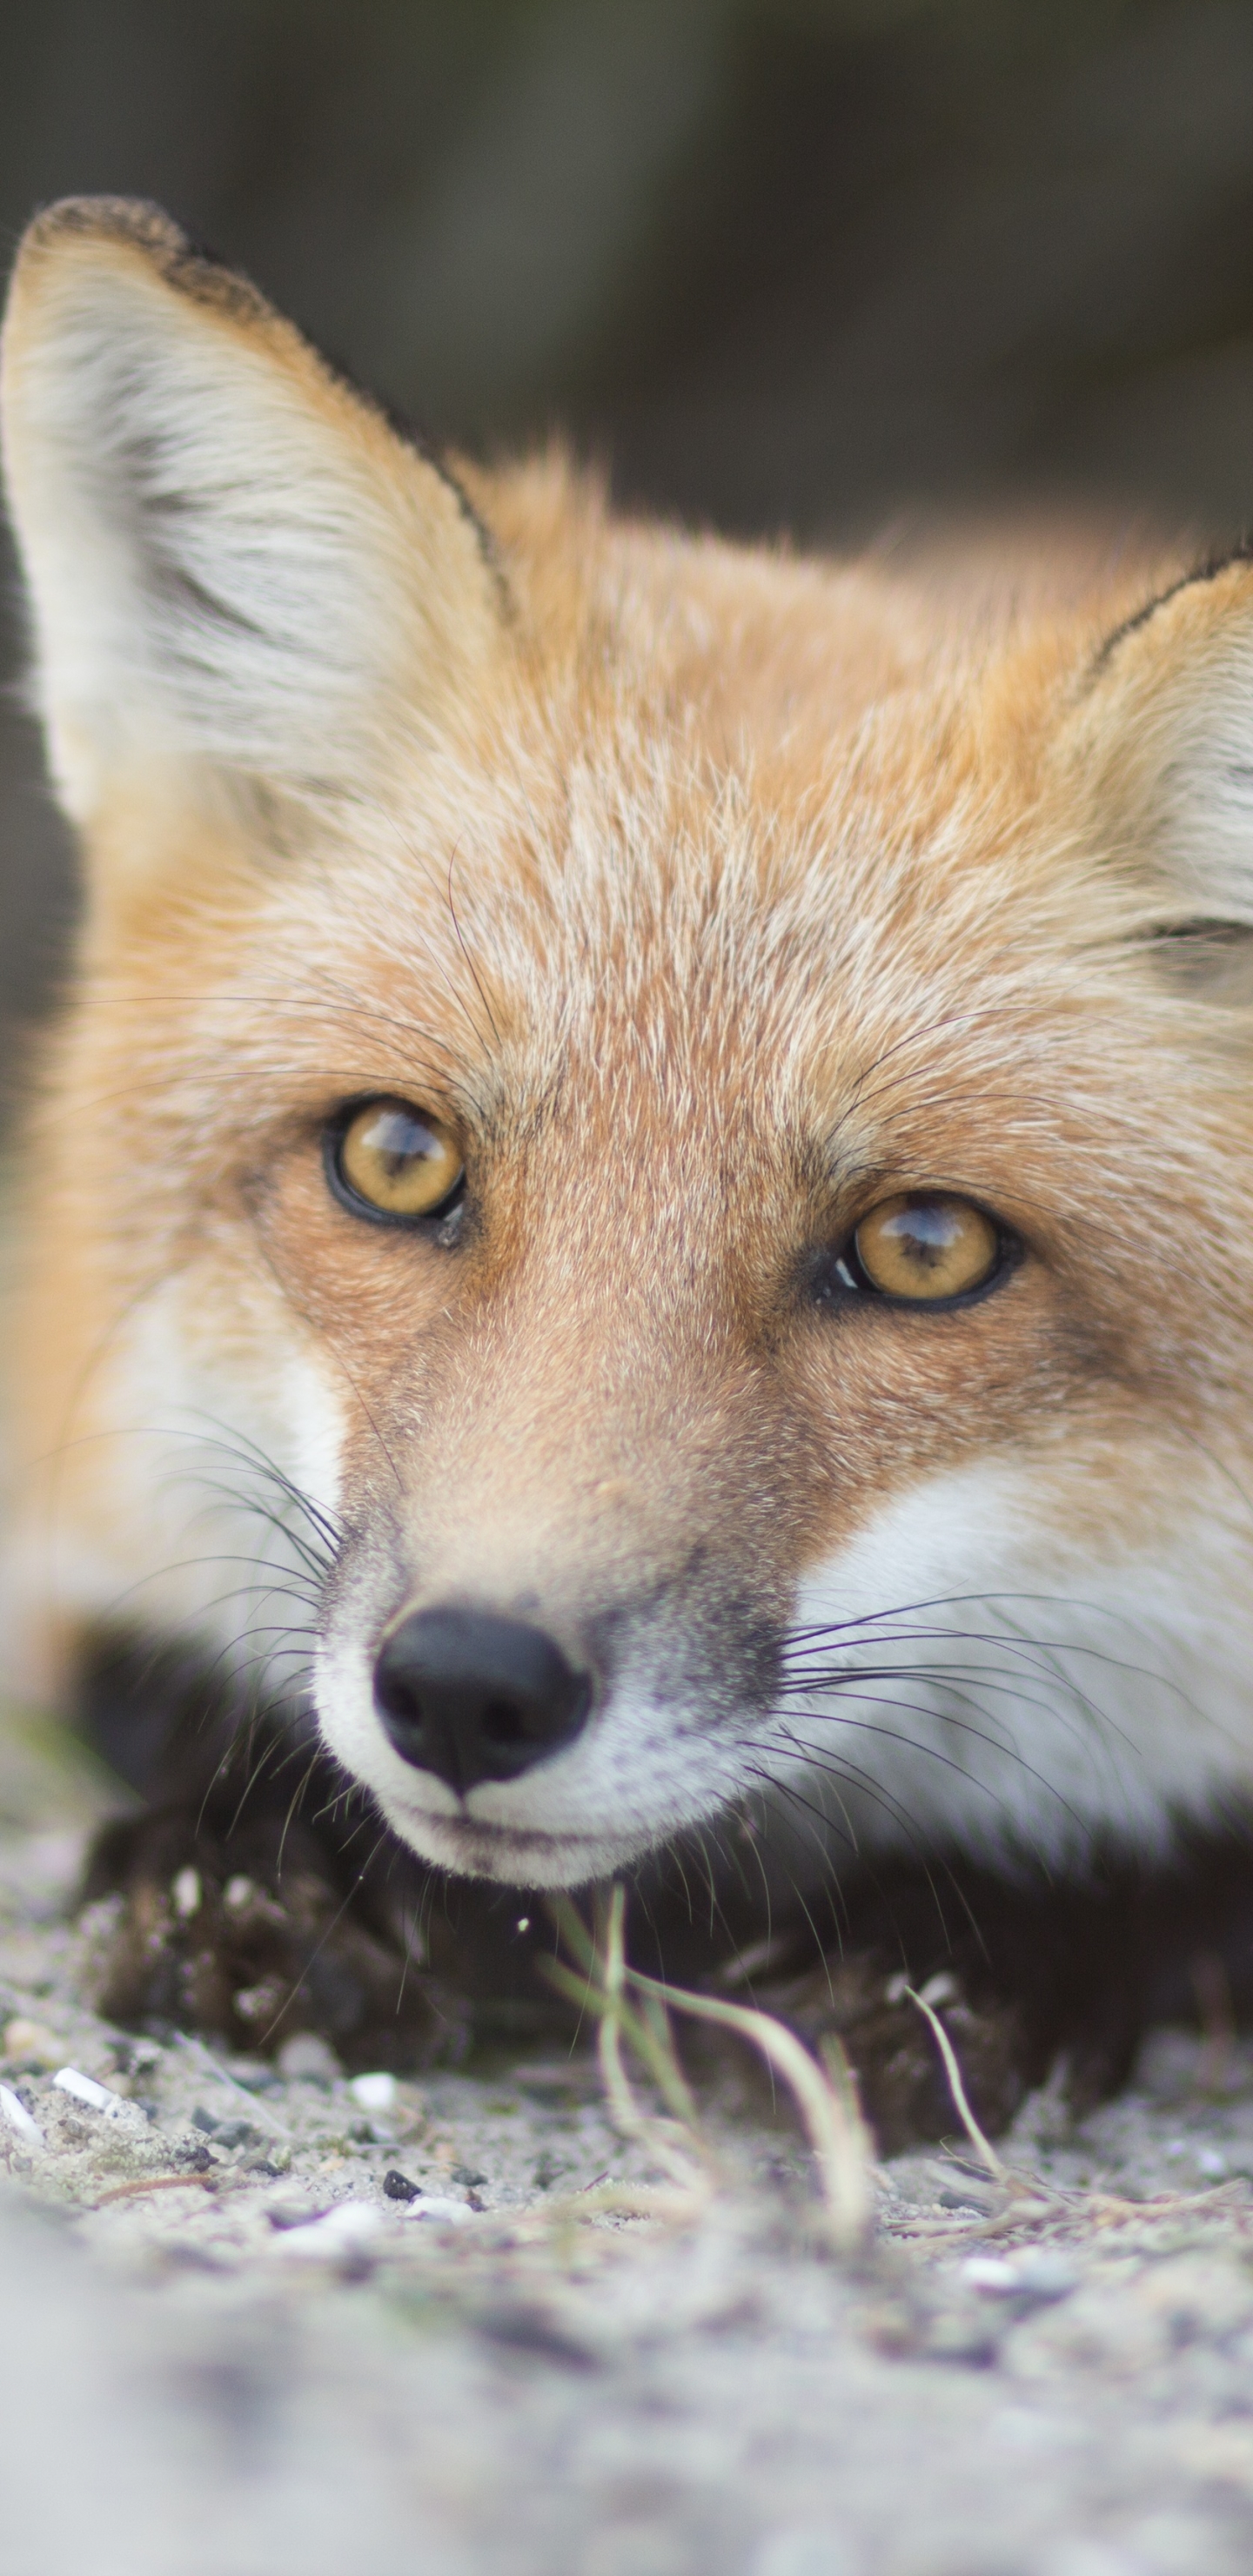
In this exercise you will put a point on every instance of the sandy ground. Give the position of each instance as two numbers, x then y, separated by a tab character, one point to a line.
228	2346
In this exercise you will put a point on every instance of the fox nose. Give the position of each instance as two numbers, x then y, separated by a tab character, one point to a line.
474	1697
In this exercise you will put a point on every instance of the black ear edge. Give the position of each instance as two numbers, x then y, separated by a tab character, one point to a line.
188	266
193	270
1210	568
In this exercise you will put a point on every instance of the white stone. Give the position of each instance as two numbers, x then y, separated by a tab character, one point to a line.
449	2213
374	2092
353	2223
84	2088
996	2278
19	2119
305	2058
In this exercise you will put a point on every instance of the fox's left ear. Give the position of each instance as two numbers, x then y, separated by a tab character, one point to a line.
232	558
1160	746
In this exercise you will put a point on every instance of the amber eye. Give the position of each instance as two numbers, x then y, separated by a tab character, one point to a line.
395	1159
926	1246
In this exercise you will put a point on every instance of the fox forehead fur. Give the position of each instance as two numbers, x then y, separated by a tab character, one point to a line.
709	898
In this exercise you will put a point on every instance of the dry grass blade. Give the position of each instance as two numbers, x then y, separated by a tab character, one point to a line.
826	2100
983	2147
617	2085
596	1985
833	2123
626	2110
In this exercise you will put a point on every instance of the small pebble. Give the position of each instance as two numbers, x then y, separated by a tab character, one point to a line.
344	2230
254	2073
1036	2275
467	2176
374	2092
237	1893
187	1894
448	2213
306	2059
30	2041
225	2133
136	2056
84	2088
985	2272
19	2119
292	2208
397	2186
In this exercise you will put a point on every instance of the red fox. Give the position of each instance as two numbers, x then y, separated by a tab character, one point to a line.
642	1196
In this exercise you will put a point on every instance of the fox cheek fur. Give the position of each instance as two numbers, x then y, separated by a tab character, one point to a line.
729	934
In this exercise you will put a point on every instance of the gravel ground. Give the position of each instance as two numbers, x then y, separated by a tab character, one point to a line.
271	2319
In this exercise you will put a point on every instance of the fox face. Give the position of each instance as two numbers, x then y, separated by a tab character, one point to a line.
643	1189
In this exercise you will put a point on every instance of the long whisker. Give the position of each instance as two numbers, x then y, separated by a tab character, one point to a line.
959	1683
821	1826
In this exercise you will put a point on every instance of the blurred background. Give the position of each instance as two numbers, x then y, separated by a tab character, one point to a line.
829	266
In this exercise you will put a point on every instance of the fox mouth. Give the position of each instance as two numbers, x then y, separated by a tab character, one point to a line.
511	1837
512	1853
522	1856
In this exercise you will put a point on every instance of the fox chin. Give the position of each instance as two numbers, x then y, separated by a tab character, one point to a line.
640	1200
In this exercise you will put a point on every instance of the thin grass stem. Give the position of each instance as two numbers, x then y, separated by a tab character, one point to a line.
982	2146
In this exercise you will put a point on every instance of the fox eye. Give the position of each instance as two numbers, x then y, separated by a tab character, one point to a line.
925	1246
385	1159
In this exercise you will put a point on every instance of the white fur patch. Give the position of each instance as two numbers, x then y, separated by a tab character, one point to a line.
1201	814
997	1693
1030	1697
229	560
204	1537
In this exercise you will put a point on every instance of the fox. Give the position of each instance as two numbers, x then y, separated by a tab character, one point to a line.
638	1209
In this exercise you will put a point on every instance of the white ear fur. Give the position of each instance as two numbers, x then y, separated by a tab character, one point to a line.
1164	741
231	557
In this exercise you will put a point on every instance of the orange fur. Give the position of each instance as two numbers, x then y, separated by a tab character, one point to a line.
712	897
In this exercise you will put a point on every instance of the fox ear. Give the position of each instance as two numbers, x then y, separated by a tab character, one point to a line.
232	557
1162	742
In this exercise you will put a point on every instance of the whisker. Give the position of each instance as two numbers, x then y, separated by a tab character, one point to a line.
957	1682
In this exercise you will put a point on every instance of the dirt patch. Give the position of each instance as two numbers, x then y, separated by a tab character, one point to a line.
294	2315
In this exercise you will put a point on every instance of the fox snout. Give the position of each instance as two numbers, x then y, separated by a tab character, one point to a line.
471	1696
563	1711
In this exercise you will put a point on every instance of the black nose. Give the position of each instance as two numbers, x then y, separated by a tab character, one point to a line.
472	1697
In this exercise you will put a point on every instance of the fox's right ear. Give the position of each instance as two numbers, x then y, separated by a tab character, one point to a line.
1159	745
232	557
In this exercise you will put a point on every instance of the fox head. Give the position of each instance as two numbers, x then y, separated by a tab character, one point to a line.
643	1184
